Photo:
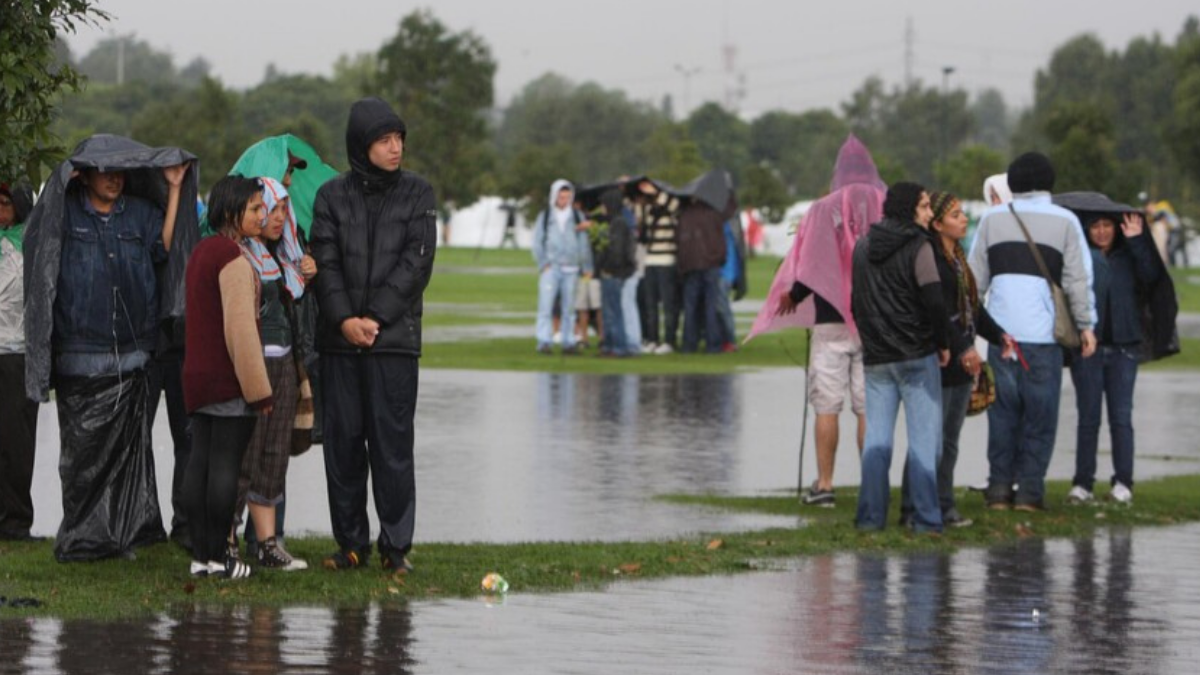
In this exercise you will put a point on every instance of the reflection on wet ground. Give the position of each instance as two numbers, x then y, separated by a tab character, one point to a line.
537	456
1123	602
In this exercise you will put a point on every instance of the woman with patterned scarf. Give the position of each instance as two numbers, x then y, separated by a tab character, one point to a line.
281	264
968	318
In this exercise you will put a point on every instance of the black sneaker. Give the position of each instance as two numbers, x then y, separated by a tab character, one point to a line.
344	560
394	561
952	518
818	497
232	568
272	554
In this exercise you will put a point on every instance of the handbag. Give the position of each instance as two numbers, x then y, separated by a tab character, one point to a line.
302	427
1065	332
983	394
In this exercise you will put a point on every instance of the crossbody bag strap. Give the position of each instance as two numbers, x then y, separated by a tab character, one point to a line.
1037	255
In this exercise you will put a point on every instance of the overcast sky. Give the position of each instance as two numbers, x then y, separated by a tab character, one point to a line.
786	54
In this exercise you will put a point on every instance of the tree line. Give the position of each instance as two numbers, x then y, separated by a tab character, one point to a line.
1121	121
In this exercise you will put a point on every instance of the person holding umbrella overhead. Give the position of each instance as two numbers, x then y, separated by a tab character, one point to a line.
1125	268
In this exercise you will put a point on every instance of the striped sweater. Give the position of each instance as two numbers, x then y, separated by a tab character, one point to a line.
1018	296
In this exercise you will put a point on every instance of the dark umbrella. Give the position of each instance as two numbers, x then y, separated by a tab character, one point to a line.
715	189
589	195
1091	202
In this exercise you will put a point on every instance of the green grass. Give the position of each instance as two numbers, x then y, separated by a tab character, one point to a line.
157	580
1187	288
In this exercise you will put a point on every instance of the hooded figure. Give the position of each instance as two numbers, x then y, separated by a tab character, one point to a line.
562	252
105	255
373	237
820	255
995	190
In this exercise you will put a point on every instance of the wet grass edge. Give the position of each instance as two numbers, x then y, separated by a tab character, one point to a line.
157	580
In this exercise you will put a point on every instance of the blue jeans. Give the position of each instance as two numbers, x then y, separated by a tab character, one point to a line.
629	310
614	316
555	283
1023	421
916	383
700	296
1110	375
955	400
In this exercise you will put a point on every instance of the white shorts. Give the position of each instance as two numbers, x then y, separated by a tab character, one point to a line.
835	369
587	294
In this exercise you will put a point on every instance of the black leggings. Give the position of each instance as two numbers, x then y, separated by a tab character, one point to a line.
211	485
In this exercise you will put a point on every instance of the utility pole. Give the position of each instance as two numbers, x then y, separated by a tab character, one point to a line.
687	74
947	71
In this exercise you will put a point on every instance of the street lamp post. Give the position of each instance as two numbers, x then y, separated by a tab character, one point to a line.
946	72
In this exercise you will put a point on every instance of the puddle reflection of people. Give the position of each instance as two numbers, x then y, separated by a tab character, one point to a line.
909	632
1016	635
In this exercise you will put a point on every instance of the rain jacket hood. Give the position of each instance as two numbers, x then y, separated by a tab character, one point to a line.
891	235
371	118
268	158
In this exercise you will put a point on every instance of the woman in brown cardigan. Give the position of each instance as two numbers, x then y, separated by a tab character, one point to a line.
225	385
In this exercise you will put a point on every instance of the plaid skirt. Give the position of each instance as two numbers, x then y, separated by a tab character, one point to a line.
264	469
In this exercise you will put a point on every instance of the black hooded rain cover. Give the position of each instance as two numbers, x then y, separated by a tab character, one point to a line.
43	237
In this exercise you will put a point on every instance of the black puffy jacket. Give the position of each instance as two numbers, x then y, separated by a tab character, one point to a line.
376	267
893	318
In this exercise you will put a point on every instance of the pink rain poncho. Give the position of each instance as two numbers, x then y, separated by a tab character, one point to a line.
820	254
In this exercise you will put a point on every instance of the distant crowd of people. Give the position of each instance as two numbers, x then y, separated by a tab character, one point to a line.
639	254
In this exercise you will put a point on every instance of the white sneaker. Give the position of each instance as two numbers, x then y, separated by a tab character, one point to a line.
557	339
664	348
1079	495
1121	494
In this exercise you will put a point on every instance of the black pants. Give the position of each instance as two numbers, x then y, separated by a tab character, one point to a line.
662	289
369	407
18	438
165	376
211	484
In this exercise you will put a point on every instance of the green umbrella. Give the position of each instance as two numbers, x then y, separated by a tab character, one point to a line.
269	158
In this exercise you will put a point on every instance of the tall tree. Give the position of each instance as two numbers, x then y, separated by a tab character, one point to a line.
441	82
128	59
31	77
722	137
605	131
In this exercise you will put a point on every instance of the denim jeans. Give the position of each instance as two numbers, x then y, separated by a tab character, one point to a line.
1110	375
955	400
700	291
916	383
553	283
614	316
629	311
662	289
1023	420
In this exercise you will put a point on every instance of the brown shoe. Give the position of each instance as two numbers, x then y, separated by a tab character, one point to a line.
1028	508
998	506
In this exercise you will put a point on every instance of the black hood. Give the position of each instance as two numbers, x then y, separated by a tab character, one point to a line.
21	195
890	235
371	118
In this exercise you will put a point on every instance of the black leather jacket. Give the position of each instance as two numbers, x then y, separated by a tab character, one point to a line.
897	320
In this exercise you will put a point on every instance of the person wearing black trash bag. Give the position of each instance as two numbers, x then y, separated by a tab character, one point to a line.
373	237
107	218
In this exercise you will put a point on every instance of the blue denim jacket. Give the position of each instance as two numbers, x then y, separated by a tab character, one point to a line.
107	296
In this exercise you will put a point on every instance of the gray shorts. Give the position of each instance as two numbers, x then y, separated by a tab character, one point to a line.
587	294
835	369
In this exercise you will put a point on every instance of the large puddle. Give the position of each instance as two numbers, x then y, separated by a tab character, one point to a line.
1122	602
507	456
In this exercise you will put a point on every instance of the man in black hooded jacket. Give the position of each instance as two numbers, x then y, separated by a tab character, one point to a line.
373	237
897	304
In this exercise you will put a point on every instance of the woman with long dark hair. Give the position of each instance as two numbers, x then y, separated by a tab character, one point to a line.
225	382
